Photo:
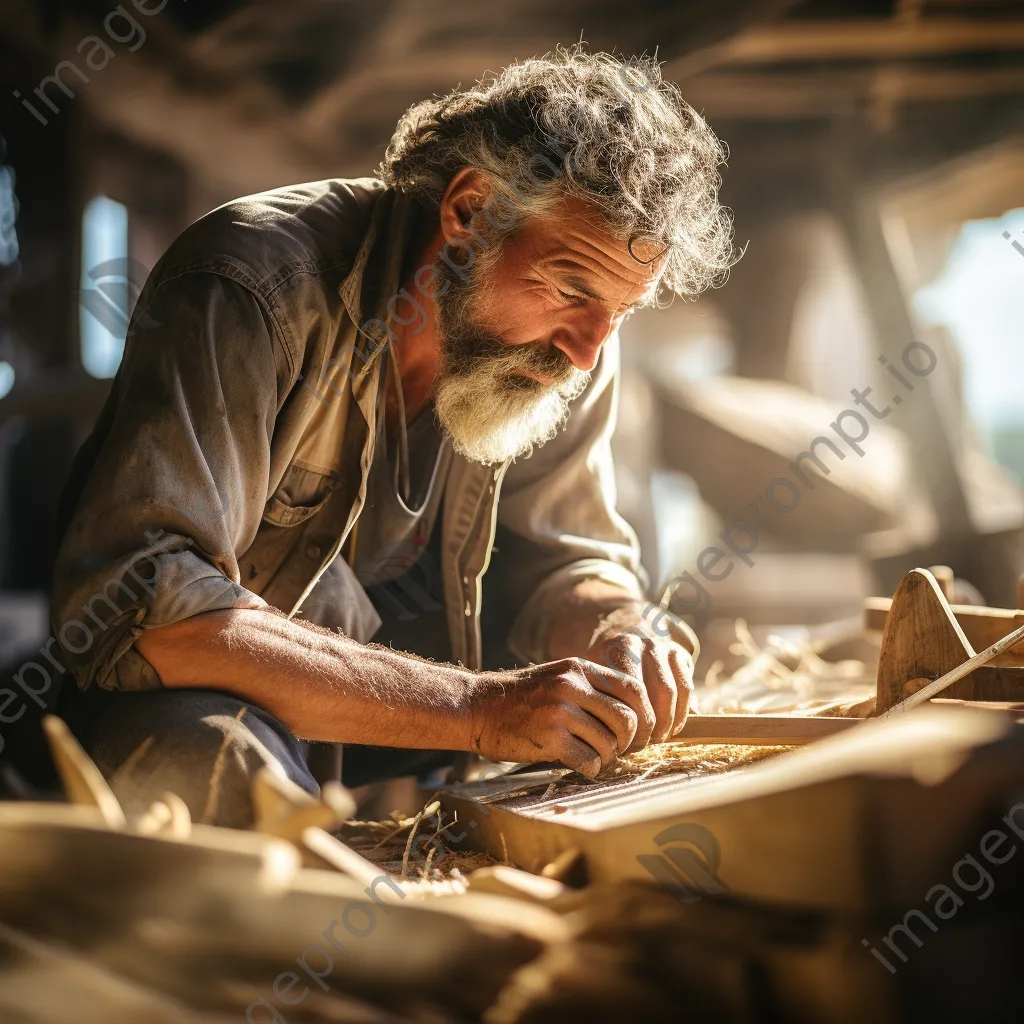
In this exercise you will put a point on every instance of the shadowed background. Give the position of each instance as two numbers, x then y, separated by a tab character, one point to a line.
875	172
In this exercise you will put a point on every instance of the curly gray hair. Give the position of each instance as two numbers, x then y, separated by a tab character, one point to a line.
606	130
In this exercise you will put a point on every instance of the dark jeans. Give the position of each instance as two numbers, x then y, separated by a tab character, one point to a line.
206	746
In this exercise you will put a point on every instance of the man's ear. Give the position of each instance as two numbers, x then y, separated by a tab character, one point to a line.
463	199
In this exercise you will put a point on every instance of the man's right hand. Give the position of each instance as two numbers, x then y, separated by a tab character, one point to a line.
573	711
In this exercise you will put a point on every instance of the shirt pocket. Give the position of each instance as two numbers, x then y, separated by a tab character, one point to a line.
303	491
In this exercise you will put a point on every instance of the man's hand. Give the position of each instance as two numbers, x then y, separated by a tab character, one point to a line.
663	669
602	623
574	711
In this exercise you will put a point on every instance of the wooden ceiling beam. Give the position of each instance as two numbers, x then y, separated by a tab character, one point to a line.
858	40
822	94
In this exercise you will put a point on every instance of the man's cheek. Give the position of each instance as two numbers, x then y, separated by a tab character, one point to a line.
503	324
521	321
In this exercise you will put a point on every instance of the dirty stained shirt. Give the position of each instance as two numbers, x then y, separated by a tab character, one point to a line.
231	460
388	576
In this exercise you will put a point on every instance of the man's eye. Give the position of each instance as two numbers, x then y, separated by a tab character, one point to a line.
574	300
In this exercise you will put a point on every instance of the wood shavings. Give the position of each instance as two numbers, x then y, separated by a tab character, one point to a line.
430	809
433	864
782	676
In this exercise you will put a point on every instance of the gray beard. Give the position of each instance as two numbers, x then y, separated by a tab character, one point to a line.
483	400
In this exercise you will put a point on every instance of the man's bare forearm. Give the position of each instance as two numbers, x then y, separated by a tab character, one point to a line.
321	685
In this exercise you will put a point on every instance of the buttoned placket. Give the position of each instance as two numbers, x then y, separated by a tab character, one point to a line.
484	527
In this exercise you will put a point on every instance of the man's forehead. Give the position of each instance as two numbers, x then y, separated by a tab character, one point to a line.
575	238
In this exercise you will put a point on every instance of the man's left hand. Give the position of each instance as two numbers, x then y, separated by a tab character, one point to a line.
665	669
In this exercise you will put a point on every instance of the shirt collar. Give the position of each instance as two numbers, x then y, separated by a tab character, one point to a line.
375	275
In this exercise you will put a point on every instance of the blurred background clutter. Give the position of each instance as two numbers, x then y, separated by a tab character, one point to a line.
877	179
846	407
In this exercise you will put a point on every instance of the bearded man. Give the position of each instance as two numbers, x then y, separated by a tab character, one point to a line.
336	401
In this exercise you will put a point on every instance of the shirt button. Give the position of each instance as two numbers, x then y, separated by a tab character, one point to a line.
314	551
465	581
469	611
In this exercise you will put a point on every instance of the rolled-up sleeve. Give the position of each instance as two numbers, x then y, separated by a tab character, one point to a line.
178	481
557	511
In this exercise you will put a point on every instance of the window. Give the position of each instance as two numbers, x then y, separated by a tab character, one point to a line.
104	299
980	299
8	259
8	215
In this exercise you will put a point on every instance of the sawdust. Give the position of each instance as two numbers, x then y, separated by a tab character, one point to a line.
688	759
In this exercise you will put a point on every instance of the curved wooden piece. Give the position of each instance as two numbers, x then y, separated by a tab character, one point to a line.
921	639
982	626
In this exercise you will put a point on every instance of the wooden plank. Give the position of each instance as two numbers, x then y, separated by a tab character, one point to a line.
1013	708
761	730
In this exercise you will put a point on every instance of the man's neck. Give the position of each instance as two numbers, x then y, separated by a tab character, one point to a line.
416	343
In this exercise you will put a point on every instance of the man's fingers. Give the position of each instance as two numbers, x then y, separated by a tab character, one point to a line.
624	682
660	680
579	756
616	719
591	731
682	669
614	715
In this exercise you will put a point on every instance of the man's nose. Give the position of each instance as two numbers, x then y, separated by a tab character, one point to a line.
582	342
